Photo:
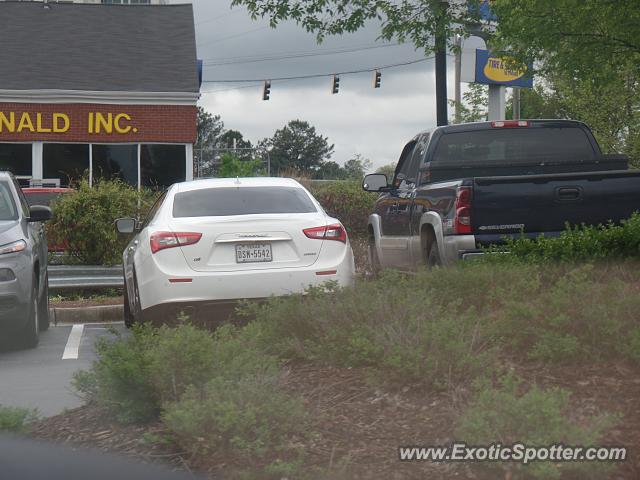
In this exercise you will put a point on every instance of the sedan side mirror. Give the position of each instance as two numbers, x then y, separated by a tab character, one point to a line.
39	213
375	182
126	225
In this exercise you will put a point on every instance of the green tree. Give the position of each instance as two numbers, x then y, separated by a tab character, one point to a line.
330	170
210	129
356	167
297	146
244	148
389	170
232	166
580	36
475	103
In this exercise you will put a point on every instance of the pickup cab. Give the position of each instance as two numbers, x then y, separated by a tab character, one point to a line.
459	188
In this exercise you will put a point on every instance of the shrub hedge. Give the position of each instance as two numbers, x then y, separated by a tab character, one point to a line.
84	220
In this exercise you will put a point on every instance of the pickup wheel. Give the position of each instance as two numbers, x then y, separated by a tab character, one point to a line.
432	255
372	253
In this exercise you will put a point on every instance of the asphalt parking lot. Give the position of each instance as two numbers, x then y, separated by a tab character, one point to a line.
41	378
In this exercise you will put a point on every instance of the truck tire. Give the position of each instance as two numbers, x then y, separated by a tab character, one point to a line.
432	254
372	254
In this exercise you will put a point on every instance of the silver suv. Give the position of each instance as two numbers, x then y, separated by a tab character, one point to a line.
24	305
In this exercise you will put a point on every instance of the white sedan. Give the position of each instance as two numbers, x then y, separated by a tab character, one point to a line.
207	243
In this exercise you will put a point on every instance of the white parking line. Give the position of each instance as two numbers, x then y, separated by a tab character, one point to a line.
73	343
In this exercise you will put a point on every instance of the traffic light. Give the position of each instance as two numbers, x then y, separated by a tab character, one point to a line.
266	90
376	79
336	84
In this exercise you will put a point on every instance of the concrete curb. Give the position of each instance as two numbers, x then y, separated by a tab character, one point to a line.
97	314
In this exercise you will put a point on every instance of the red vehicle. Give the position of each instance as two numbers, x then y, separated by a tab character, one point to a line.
45	196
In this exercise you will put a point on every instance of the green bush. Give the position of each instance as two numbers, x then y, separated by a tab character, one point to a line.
395	326
576	244
232	166
84	220
447	325
248	415
212	391
15	419
120	379
575	316
347	202
537	418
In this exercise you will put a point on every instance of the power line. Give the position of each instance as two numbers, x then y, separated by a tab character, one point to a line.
202	22
318	75
236	35
255	59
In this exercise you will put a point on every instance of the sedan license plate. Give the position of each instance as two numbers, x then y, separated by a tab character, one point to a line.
253	252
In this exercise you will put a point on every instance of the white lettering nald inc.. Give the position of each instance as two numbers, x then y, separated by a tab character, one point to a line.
96	122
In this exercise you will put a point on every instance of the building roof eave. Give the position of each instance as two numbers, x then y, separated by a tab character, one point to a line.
104	97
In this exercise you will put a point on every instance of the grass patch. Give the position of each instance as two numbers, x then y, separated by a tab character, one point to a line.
448	326
15	419
508	414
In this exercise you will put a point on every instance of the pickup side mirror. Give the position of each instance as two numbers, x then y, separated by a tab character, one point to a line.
126	225
375	182
39	213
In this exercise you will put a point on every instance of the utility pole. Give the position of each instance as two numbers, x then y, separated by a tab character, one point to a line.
516	103
441	66
458	96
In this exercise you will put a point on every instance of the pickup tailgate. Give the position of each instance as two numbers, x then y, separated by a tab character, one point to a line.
545	203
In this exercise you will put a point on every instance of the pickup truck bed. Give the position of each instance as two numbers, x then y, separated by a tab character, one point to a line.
461	187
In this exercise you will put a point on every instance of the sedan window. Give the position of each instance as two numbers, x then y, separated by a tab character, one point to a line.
214	202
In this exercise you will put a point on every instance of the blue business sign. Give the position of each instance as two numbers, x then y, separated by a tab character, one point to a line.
483	9
495	71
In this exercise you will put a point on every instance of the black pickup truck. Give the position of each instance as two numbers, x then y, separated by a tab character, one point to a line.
459	188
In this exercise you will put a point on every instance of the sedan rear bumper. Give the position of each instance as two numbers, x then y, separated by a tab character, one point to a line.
189	290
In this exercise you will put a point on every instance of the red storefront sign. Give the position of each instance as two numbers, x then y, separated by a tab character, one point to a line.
99	123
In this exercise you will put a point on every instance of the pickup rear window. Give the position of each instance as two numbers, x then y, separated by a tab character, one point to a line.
515	145
215	202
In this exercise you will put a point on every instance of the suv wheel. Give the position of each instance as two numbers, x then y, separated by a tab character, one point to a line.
31	332
43	318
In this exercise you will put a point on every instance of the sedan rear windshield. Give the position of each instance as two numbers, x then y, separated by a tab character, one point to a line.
216	202
515	145
40	198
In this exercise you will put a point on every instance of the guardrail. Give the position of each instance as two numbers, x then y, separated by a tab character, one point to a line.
67	277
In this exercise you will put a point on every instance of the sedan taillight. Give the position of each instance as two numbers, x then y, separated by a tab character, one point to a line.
161	240
329	232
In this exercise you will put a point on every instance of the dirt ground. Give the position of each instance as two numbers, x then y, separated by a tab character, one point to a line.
86	302
359	426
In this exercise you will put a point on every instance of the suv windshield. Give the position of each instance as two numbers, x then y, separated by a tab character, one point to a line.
515	145
7	205
215	202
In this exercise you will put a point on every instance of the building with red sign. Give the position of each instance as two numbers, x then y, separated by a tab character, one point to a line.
102	90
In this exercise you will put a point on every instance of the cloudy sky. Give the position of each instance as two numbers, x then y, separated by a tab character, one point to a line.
359	120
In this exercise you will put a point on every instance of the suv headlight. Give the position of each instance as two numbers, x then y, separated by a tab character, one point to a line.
13	247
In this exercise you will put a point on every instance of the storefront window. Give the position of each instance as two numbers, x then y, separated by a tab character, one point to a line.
116	161
162	165
16	158
65	161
